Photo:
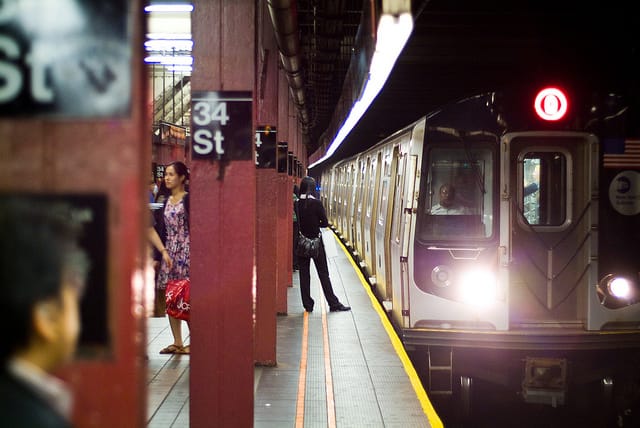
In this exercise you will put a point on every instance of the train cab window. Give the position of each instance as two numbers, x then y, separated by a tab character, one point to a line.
543	188
458	201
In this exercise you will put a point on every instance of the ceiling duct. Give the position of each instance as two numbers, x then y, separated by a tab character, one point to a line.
285	24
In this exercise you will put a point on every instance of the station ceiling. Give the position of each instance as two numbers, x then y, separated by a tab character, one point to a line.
459	48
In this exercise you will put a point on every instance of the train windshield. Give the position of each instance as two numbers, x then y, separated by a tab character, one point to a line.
458	201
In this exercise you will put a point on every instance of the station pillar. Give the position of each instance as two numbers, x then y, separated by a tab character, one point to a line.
83	138
265	333
284	246
223	226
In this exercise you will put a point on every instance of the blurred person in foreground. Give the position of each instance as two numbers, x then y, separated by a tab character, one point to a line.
42	276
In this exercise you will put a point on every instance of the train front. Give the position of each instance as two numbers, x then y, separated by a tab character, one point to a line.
511	279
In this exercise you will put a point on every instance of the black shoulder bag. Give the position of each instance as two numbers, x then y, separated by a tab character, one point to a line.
306	247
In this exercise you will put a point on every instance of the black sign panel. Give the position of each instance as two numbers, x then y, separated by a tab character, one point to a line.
266	147
221	125
291	163
299	169
65	58
90	212
159	171
282	156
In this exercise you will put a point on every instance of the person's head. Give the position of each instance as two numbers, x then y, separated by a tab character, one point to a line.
176	175
153	187
43	273
447	195
307	186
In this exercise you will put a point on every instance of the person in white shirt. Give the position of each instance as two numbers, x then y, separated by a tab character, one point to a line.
448	204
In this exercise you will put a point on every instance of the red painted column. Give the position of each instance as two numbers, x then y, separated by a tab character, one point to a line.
283	194
293	143
287	225
110	157
222	231
266	261
283	244
285	229
265	330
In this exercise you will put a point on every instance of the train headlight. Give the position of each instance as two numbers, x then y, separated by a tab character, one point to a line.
478	287
441	276
620	288
616	291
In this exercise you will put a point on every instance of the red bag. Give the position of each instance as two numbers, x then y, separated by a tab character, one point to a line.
178	298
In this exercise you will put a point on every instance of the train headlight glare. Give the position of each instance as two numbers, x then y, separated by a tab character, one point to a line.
478	287
620	288
617	291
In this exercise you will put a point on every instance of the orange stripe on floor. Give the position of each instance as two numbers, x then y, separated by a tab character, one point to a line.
331	408
302	379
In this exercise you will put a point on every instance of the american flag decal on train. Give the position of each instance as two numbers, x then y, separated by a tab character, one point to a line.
620	153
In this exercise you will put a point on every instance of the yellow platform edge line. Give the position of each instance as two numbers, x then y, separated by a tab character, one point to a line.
427	407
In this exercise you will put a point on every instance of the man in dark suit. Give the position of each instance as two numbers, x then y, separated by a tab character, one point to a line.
42	275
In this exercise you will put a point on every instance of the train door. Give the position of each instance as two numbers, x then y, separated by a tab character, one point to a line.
353	185
395	245
345	172
359	219
344	179
335	189
325	191
549	186
366	195
400	228
371	204
333	195
383	223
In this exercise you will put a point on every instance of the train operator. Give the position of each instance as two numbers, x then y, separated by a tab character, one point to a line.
449	205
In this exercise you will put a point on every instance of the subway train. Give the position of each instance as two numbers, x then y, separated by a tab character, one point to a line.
501	233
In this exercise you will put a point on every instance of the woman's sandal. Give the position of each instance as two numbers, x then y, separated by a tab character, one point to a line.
171	349
185	350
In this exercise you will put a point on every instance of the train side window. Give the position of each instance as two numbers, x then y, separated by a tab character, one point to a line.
386	176
543	188
382	206
398	198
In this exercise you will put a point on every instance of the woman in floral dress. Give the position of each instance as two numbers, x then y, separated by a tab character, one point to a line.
174	233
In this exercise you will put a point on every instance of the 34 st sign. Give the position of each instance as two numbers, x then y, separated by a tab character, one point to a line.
221	125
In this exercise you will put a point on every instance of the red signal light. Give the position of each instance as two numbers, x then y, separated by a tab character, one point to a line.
551	104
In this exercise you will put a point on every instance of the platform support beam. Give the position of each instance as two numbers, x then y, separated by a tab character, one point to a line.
267	233
223	230
67	154
283	276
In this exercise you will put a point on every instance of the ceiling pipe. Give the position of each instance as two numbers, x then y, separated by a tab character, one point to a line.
284	18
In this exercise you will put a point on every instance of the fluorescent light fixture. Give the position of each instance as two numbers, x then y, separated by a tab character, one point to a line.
169	36
179	68
169	60
393	33
168	45
182	7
